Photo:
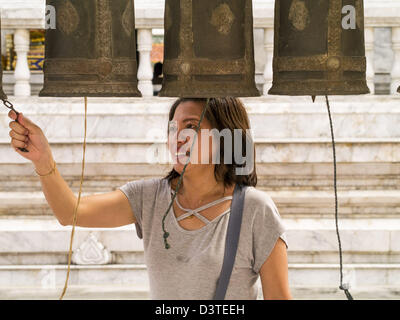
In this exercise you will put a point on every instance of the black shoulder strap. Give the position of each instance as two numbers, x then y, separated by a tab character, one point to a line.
232	240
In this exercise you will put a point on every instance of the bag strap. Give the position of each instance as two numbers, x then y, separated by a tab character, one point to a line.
232	240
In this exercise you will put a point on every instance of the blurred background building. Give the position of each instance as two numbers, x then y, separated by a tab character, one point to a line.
294	163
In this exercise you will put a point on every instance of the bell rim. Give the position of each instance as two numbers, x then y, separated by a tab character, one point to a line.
277	89
48	92
209	96
247	91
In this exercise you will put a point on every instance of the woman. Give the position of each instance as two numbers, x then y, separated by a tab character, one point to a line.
191	267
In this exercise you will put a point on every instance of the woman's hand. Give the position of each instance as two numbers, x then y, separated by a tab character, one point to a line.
26	134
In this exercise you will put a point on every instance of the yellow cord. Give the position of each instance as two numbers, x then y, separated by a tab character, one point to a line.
76	208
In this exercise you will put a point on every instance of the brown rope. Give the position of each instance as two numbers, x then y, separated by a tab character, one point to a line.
76	208
343	286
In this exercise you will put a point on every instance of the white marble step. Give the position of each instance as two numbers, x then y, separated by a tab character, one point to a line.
268	151
351	203
300	276
334	293
366	130
101	292
285	129
51	276
45	241
103	177
294	203
130	292
357	275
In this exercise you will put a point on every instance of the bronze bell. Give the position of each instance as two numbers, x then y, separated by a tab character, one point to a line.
318	50
3	96
209	49
92	51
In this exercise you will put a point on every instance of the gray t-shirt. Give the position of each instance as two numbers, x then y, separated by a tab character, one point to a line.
191	267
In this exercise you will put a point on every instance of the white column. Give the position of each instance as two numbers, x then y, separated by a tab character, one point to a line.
396	65
369	52
269	51
22	73
145	71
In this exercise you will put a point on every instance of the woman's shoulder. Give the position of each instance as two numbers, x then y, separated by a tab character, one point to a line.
259	198
262	213
260	206
153	185
146	186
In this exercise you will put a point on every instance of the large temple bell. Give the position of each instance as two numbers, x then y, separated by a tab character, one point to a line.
92	50
318	49
209	49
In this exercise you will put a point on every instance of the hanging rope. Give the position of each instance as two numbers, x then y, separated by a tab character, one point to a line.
76	208
166	234
343	286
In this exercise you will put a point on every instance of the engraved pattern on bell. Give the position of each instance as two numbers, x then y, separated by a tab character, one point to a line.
104	33
67	18
105	68
127	19
299	15
185	67
333	63
222	18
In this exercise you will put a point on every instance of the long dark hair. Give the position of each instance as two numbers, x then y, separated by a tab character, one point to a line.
224	113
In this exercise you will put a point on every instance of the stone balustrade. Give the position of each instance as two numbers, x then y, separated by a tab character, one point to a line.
21	15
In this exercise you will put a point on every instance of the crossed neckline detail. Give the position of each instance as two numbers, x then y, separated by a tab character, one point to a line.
195	212
207	224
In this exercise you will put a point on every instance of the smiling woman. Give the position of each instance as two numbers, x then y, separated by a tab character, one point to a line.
222	114
199	217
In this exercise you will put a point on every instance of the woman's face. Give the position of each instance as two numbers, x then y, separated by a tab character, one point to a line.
182	131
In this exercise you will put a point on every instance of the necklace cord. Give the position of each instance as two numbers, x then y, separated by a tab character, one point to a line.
166	234
76	207
343	286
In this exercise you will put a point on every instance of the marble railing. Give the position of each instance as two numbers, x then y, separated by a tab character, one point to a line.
21	15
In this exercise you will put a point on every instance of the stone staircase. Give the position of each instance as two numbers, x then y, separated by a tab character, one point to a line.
294	166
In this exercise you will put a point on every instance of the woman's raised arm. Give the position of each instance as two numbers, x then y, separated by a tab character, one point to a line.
107	210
